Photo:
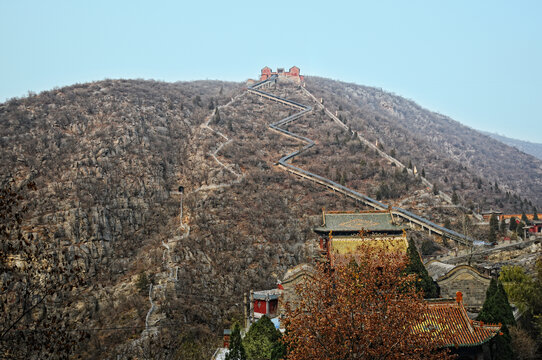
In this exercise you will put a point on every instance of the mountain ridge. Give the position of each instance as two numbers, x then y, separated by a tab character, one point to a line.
528	147
107	158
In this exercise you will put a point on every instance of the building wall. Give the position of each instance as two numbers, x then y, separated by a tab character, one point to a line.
260	307
294	276
293	74
517	216
472	284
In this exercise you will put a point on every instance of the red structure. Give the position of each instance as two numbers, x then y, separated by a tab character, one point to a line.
536	227
266	303
500	215
293	73
227	334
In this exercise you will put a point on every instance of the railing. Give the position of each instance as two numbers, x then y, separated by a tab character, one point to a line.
405	214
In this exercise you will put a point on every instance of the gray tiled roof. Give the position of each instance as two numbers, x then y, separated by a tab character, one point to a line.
267	294
437	269
370	221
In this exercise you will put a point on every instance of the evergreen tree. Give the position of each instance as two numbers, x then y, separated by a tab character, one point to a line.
142	283
494	223
535	214
237	351
415	266
524	218
279	350
496	309
217	118
423	172
513	224
493	228
261	339
455	198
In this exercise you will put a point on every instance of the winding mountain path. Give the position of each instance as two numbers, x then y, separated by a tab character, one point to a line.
213	154
283	162
153	316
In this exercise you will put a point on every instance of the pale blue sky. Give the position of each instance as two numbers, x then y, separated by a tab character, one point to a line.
476	61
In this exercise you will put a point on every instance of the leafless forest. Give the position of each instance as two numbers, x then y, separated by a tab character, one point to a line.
91	172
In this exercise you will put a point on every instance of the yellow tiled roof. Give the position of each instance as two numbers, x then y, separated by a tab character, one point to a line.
451	326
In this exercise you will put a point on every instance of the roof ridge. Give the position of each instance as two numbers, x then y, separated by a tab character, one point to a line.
483	324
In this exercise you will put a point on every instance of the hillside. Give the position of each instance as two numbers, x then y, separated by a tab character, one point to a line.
107	158
534	149
452	155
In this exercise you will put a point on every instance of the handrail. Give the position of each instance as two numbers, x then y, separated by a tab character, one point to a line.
332	184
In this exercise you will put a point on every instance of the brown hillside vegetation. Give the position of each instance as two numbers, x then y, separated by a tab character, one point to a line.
107	158
454	156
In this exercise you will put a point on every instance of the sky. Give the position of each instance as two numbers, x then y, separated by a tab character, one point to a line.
479	62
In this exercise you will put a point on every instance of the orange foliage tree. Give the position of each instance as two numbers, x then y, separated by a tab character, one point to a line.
362	308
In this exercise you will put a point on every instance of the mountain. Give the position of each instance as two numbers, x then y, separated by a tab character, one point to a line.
101	164
534	149
451	154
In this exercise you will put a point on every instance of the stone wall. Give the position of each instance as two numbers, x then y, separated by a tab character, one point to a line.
293	277
470	282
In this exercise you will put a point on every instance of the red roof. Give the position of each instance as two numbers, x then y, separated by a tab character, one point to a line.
451	326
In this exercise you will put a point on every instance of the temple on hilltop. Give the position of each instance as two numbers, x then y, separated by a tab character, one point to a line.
292	74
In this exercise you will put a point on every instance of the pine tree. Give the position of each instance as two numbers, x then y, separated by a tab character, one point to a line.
415	266
423	172
493	228
496	309
142	283
261	339
217	118
237	351
513	223
524	218
455	198
535	214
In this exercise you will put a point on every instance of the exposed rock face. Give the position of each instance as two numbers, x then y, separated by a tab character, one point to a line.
108	157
